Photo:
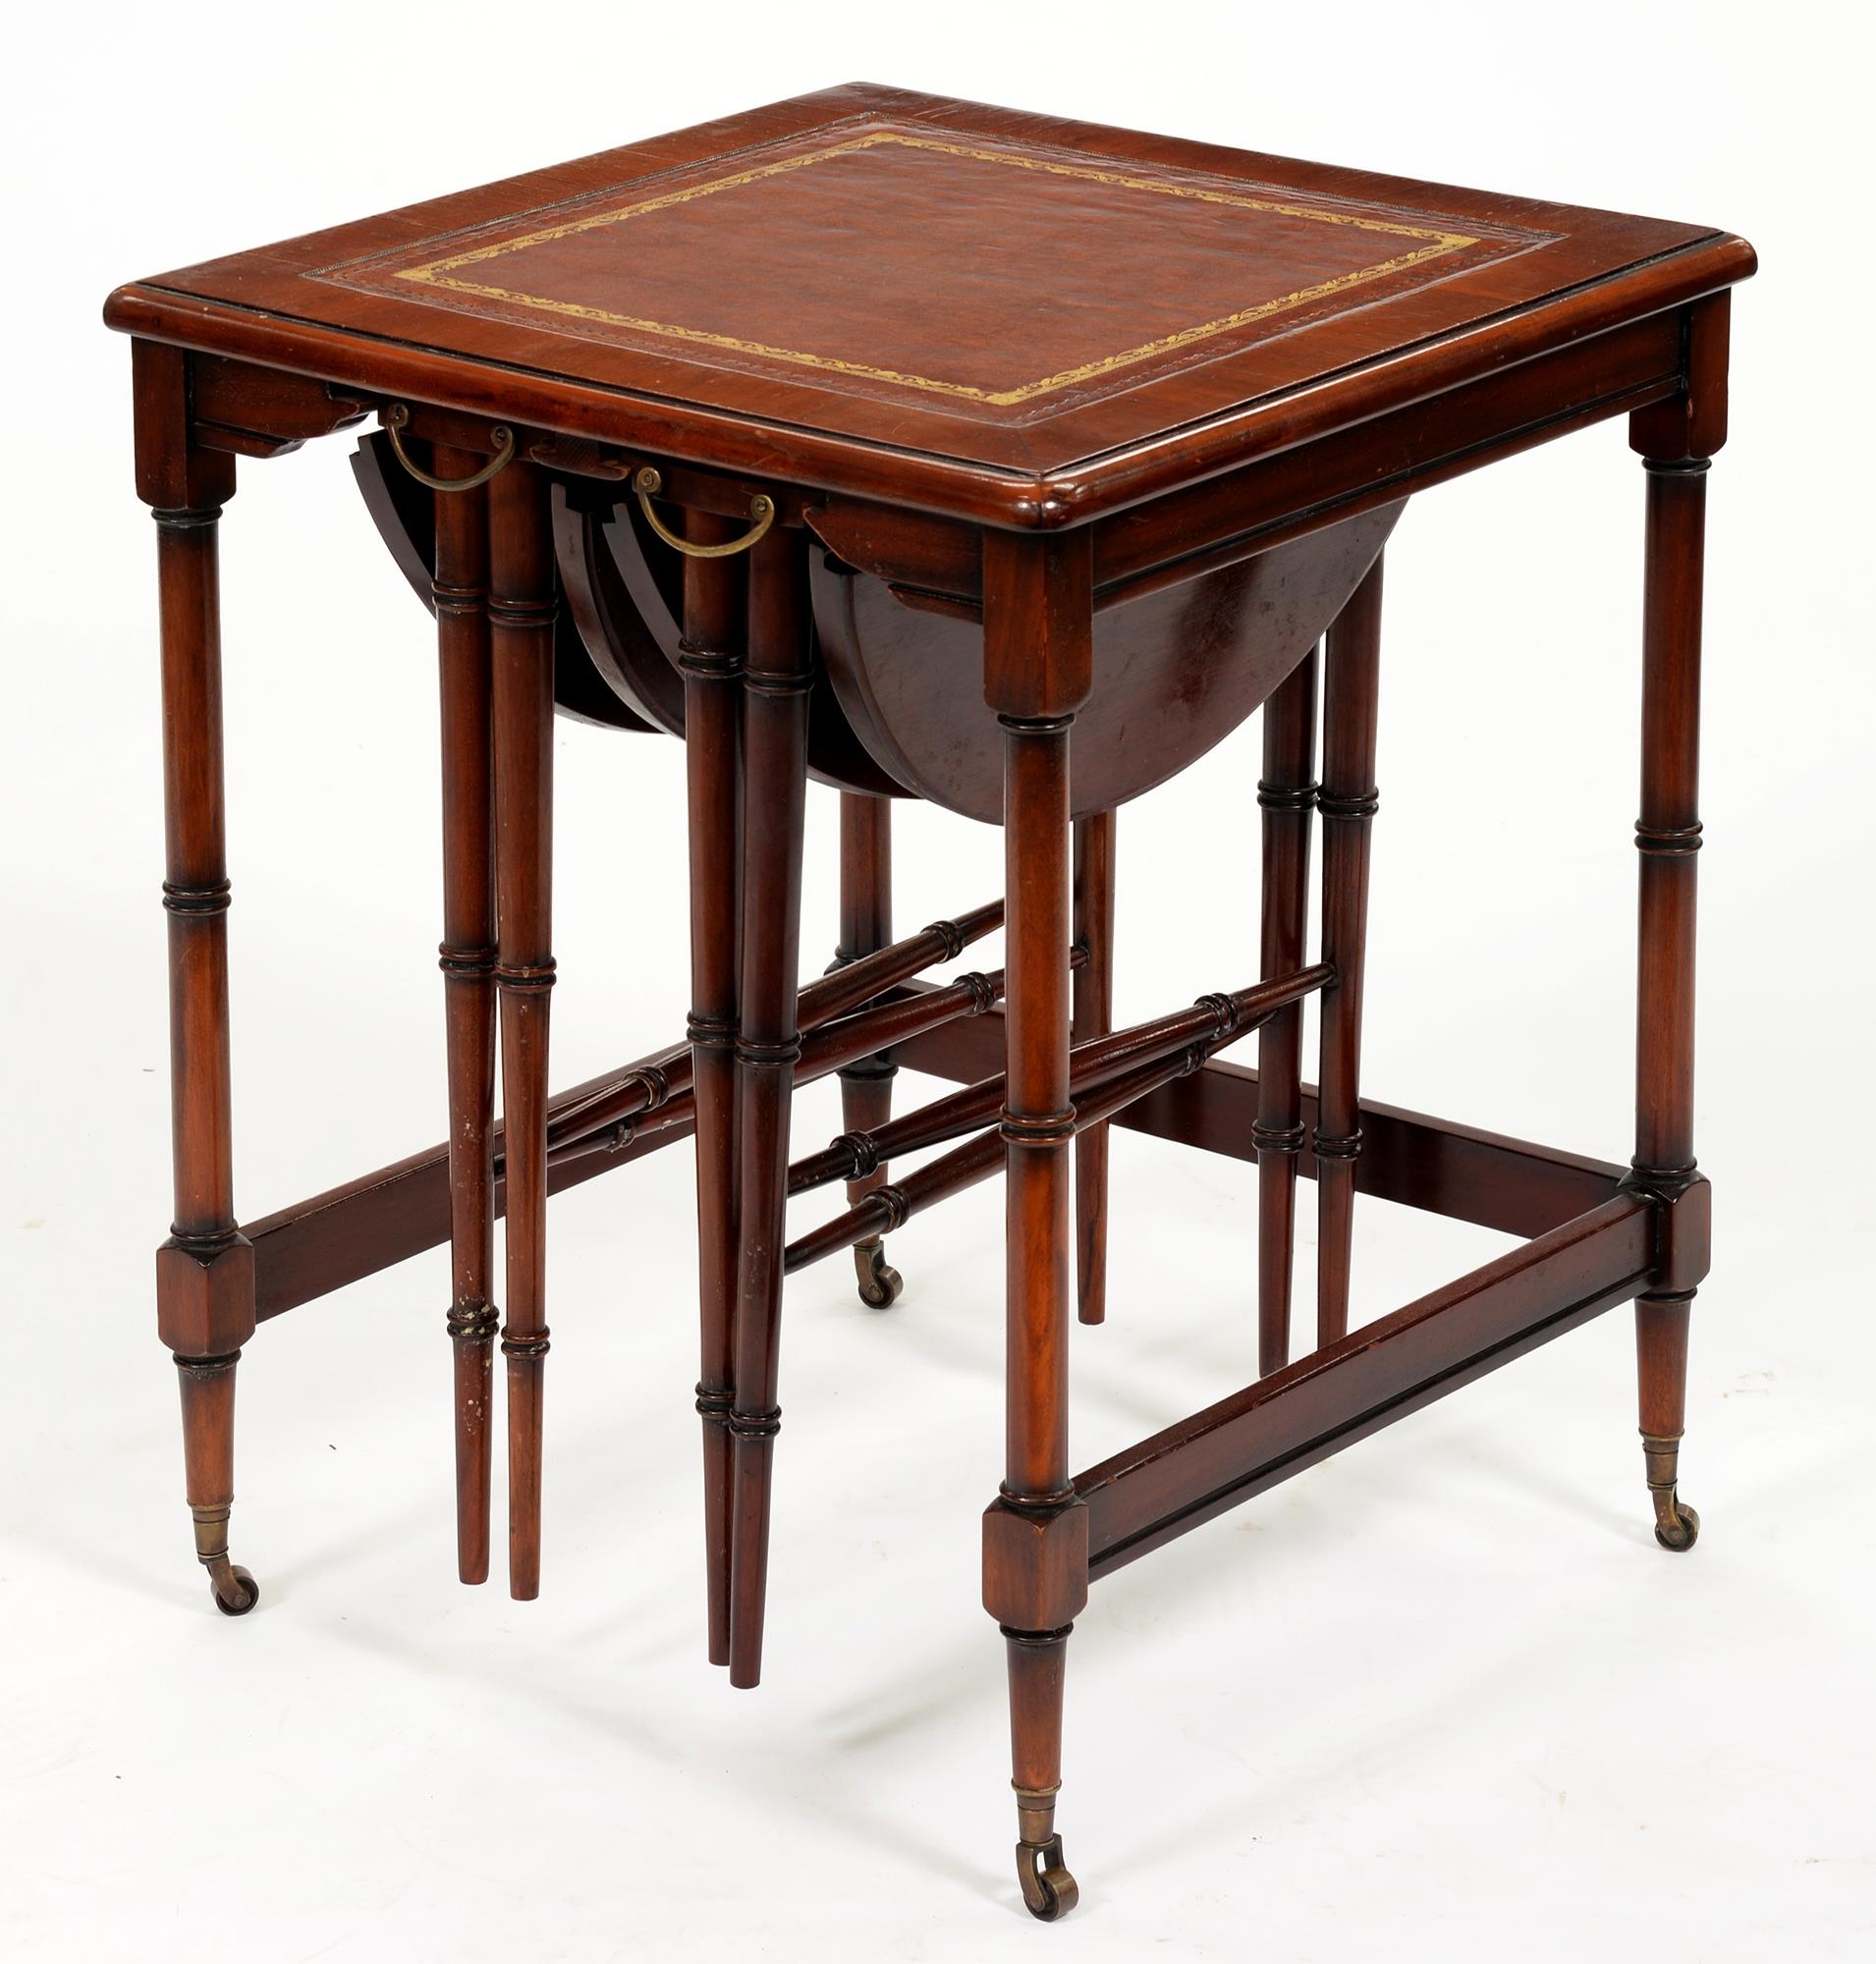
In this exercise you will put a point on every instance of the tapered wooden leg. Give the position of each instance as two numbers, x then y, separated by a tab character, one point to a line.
467	960
1037	1668
1667	834
1347	803
1038	614
1286	792
866	1087
1092	1015
711	660
205	1268
1661	1356
522	636
777	677
208	1457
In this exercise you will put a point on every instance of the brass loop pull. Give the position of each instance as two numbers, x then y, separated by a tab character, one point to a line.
397	417
648	484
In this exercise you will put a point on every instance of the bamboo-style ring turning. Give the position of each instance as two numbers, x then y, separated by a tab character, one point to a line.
648	484
398	415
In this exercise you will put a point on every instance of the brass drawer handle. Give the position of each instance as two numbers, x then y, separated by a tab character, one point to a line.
648	484
397	417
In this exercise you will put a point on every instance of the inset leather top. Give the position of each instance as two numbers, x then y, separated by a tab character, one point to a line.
1036	311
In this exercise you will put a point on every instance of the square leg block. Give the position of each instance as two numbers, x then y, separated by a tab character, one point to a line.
1035	1566
205	1299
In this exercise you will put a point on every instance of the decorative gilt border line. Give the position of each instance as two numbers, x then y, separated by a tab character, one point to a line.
438	272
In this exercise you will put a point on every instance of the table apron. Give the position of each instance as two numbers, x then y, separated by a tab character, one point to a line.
1409	449
1294	489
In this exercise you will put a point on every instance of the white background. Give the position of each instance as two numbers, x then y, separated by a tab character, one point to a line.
1441	1697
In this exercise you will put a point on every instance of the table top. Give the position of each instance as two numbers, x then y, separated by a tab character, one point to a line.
1016	311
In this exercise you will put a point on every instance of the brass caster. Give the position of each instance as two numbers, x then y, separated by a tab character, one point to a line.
1677	1525
236	1592
1681	1532
1049	1891
879	1282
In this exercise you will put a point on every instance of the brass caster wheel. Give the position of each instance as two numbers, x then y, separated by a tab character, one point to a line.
236	1592
879	1282
1680	1534
1049	1891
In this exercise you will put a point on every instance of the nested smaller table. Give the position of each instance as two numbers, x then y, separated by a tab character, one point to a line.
1010	463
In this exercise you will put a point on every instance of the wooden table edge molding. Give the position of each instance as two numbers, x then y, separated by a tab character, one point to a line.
1071	492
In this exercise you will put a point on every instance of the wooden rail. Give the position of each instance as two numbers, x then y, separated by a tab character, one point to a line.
314	1246
1191	1471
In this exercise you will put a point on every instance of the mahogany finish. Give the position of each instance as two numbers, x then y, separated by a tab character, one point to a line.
627	604
1106	1075
406	514
520	610
468	955
711	663
1175	670
1347	802
1286	792
1512	1186
1531	278
1668	836
1273	1429
1037	670
866	1086
1026	572
841	1033
776	679
1092	1015
308	1249
205	1268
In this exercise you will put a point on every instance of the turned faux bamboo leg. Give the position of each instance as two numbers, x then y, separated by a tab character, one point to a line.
1038	611
1286	792
1667	834
467	960
1092	1015
866	1087
777	677
1347	803
521	638
205	1268
711	660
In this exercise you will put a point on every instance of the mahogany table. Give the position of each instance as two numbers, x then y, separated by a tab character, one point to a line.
1010	463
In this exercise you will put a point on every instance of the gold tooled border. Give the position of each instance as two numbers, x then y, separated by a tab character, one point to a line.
438	272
